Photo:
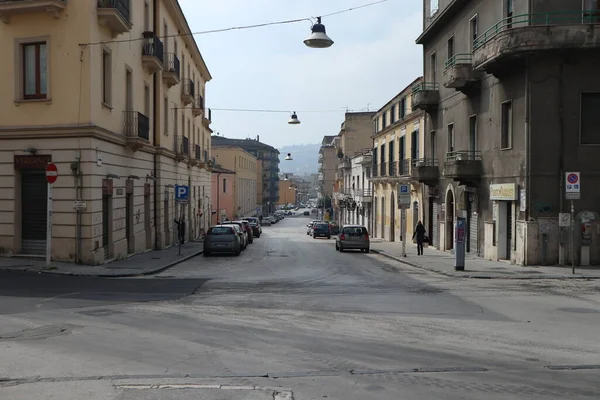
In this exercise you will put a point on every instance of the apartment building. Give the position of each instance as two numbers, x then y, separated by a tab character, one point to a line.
511	93
287	193
223	204
105	91
327	167
398	144
359	194
268	158
244	185
354	138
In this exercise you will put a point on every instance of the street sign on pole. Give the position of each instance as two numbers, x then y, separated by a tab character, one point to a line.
403	196
51	173
182	193
572	185
51	176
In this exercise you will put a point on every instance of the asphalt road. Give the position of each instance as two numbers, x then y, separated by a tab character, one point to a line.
293	318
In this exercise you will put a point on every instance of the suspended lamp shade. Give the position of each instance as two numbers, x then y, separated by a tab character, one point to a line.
318	38
294	119
288	158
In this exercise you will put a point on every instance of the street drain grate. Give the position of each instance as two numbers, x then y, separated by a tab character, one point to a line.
100	313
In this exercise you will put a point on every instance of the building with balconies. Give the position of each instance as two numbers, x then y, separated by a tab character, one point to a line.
356	200
95	88
517	95
397	143
268	158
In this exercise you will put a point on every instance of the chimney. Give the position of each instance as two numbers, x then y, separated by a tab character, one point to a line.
258	138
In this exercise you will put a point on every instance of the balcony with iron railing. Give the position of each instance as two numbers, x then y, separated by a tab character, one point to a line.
136	127
115	14
207	119
426	96
188	91
363	195
459	73
152	52
182	147
392	169
425	170
495	50
172	70
464	166
404	167
198	107
12	7
383	169
374	171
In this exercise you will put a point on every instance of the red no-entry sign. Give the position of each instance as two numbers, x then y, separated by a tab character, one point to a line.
51	173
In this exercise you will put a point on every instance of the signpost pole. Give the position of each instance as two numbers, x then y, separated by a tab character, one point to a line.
403	229
49	226
573	236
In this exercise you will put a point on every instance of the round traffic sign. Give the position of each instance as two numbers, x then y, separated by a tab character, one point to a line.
572	178
51	173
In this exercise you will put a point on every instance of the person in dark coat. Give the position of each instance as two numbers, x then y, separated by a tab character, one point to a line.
181	229
420	235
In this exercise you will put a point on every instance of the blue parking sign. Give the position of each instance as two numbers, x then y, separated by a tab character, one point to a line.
182	192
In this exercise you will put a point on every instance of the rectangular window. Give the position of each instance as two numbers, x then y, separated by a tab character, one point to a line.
414	145
175	121
166	115
384	120
450	138
450	47
146	16
392	114
433	144
147	100
474	30
106	77
224	185
128	90
473	133
402	108
35	70
434	5
508	13
433	67
507	126
590	105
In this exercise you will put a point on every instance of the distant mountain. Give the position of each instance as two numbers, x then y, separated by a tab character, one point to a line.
304	159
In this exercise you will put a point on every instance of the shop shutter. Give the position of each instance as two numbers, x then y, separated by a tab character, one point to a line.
34	192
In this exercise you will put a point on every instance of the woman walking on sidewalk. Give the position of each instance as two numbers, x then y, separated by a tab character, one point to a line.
420	235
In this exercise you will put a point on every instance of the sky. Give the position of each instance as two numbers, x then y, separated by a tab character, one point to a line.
373	58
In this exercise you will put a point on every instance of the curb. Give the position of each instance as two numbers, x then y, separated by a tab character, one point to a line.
117	275
452	275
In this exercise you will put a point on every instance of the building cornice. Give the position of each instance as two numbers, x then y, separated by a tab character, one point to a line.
439	19
403	93
412	117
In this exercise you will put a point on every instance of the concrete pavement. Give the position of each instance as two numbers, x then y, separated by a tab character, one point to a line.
148	263
477	267
292	317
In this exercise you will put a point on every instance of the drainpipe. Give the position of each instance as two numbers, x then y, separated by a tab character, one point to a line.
156	129
218	198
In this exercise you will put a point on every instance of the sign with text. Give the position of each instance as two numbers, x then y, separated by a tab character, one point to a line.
403	196
572	185
504	191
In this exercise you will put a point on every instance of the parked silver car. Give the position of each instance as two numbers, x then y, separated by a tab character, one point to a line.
222	239
353	237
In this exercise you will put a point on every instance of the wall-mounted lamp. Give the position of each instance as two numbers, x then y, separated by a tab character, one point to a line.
113	176
133	177
150	178
169	186
31	150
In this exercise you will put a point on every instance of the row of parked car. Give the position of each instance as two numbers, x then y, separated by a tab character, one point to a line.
349	237
235	236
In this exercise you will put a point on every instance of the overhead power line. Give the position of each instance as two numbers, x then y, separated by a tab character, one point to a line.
273	111
235	28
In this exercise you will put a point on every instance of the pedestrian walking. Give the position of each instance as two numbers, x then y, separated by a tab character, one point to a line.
419	234
181	229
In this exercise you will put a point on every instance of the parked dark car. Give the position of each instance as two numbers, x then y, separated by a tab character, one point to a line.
248	228
255	229
321	229
222	239
353	237
306	213
241	231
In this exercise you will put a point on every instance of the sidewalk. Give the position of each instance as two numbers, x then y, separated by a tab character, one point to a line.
151	262
476	267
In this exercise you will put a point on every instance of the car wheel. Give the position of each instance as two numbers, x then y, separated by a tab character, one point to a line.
337	248
341	249
328	237
237	253
367	250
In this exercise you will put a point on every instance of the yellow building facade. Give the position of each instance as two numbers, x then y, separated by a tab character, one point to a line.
105	92
398	145
245	185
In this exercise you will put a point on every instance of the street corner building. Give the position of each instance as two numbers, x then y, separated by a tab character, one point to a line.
398	147
104	90
511	92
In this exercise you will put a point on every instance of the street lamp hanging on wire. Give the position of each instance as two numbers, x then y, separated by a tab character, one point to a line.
318	38
294	119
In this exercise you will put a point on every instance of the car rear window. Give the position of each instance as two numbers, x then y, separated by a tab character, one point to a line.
354	231
220	230
322	226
